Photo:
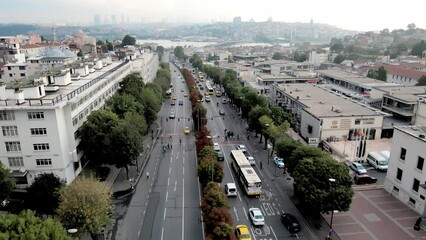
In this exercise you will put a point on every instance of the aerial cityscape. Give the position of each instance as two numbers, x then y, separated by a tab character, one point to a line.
129	120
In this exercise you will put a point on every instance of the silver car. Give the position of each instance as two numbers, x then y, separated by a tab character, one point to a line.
256	217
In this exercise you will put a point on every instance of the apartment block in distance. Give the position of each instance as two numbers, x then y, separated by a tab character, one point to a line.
39	117
406	176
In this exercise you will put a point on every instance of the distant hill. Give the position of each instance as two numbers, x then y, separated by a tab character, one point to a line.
16	29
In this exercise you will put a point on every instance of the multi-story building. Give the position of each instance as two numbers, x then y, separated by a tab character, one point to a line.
316	58
40	115
13	71
405	178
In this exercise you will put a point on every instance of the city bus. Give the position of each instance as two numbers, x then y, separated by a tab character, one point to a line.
209	89
249	179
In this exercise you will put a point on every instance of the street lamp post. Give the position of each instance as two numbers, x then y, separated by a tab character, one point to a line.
266	139
332	182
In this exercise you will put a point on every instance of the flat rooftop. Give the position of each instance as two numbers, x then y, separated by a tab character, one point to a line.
353	78
416	131
405	93
320	102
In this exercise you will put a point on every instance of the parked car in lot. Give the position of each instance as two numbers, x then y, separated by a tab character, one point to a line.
216	146
279	162
364	179
242	232
290	222
221	112
242	148
358	168
256	217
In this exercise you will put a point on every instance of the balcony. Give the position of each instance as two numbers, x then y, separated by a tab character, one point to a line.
405	111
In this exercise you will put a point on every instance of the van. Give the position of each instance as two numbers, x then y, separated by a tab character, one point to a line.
230	190
385	154
378	161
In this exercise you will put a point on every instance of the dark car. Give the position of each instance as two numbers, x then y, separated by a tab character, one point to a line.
290	222
364	179
220	156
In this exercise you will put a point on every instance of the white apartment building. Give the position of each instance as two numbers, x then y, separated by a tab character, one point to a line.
316	58
39	118
13	71
405	178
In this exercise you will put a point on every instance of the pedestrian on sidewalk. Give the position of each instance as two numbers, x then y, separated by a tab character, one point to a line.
261	166
147	175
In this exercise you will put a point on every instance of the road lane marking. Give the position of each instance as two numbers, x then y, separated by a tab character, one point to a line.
168	181
273	232
175	186
164	215
162	233
183	170
245	212
183	208
236	214
139	233
170	169
167	195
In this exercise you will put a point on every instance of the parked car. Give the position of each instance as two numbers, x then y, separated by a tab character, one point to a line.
364	179
180	102
216	146
279	162
358	168
290	222
242	148
242	232
220	156
256	217
221	112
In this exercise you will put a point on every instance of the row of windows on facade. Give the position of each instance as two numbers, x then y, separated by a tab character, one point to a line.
405	78
10	115
419	166
15	146
19	162
13	131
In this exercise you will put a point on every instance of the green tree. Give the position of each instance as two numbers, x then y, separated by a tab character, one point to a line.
315	192
178	51
207	151
128	40
100	43
266	122
385	32
80	54
339	59
27	226
160	50
196	61
254	116
121	104
418	48
337	47
277	56
136	121
7	183
209	169
379	74
301	153
422	81
44	193
286	147
85	205
109	46
132	84
300	56
152	104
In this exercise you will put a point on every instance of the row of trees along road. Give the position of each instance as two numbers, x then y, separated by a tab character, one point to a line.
309	166
124	121
214	203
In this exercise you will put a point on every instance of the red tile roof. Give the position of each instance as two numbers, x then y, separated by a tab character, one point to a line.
413	74
28	46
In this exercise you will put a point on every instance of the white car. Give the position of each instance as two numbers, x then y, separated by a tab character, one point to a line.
251	160
230	190
256	217
216	146
242	148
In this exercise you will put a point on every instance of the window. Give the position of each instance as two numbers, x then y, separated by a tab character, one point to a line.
403	153
416	185
7	115
13	146
36	115
420	162
16	161
395	189
21	67
357	121
412	201
44	162
22	74
9	130
38	131
399	174
41	146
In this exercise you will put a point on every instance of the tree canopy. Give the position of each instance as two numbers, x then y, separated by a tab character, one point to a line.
44	193
418	48
7	183
128	40
196	61
379	74
85	205
422	81
27	226
277	56
178	51
160	51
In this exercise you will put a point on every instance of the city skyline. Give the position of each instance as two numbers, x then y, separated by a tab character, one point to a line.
358	17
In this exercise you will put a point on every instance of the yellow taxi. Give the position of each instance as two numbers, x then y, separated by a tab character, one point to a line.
187	130
185	94
174	98
242	232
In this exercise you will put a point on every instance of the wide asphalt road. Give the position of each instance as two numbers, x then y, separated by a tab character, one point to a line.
166	205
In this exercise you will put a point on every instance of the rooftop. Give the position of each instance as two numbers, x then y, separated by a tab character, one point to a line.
406	93
415	131
354	78
323	103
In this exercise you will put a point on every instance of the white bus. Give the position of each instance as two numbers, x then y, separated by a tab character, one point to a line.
209	88
248	178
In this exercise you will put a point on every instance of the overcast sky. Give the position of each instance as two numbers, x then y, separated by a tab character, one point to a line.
362	15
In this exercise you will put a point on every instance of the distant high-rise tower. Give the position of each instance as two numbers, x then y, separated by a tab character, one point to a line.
96	19
237	20
113	20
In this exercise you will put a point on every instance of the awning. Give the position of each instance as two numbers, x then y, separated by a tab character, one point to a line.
18	173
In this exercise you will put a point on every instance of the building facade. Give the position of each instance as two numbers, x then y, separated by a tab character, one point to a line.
405	178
